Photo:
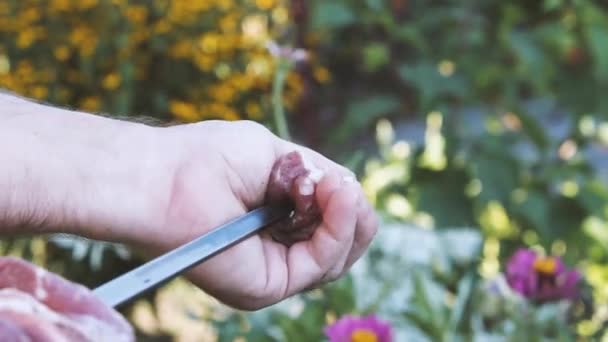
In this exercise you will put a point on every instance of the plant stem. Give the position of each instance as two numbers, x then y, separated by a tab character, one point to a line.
277	99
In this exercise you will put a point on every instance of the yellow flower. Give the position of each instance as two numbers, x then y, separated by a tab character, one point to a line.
184	110
280	15
294	82
62	53
223	4
229	23
4	7
26	38
222	111
242	82
265	4
59	5
255	29
204	62
5	64
78	35
222	93
254	111
88	47
162	26
39	92
86	4
7	24
209	42
137	14
139	36
25	69
30	15
181	49
111	81
90	103
321	74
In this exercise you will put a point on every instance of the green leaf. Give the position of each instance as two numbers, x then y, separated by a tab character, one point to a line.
428	310
442	195
376	5
375	56
465	290
462	245
340	296
230	328
565	219
535	210
363	112
597	35
331	15
498	175
533	129
430	84
307	327
549	5
593	196
529	54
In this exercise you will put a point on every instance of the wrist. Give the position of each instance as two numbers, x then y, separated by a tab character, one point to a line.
72	172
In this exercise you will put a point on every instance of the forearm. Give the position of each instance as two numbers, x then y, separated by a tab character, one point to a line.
65	171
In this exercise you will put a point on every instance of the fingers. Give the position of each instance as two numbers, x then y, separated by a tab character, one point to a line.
348	227
326	187
283	147
367	227
316	259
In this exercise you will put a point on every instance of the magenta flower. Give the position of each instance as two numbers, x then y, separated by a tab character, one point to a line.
541	279
359	329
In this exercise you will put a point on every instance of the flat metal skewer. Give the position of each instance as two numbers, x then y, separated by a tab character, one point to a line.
169	265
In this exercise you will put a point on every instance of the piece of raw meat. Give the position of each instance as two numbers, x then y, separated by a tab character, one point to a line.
294	179
38	306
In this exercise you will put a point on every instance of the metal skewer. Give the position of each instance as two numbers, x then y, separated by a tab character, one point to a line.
167	266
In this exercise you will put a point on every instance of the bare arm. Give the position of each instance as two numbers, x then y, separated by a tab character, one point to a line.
62	170
59	168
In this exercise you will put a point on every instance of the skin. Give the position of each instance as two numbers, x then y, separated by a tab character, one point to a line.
158	187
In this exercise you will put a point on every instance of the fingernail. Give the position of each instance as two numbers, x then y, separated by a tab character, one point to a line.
315	175
348	179
306	187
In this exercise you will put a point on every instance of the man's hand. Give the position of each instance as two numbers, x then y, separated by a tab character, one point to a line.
157	188
220	170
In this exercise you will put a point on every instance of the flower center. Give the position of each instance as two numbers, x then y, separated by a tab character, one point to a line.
363	335
545	266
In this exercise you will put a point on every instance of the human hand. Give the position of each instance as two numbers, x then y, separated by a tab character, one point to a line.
203	175
157	188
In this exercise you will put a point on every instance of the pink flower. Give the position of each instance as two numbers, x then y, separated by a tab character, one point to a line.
359	329
541	279
294	55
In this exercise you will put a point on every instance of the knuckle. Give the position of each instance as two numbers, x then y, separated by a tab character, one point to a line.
252	125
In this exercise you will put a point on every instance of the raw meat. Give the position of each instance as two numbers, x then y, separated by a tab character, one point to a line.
36	305
294	179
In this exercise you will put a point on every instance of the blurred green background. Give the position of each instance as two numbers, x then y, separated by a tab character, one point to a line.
479	126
